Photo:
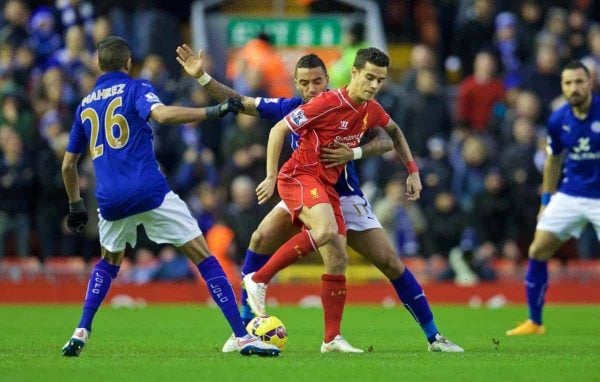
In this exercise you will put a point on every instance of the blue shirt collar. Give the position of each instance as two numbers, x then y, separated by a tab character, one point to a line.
111	76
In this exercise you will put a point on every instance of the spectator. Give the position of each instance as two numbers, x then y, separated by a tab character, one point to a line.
543	78
243	214
495	216
402	221
258	69
14	112
74	59
244	149
145	266
50	193
426	114
45	40
206	204
446	223
421	57
469	176
14	30
479	93
474	34
436	171
173	266
509	48
340	71
16	187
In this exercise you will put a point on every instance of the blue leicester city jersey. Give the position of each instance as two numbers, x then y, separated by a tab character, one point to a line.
580	138
277	108
111	123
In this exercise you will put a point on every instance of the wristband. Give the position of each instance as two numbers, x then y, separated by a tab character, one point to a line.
357	153
412	167
204	79
77	206
545	198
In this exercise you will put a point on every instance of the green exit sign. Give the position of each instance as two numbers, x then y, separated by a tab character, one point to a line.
316	31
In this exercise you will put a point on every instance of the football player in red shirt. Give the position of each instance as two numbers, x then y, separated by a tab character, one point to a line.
306	185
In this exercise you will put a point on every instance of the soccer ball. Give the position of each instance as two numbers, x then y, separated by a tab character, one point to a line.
269	329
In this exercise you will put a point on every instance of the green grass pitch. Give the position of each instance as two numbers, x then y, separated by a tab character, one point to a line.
183	342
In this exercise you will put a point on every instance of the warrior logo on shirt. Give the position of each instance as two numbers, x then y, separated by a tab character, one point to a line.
298	117
365	122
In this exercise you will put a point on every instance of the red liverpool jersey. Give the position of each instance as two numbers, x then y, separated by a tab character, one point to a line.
328	118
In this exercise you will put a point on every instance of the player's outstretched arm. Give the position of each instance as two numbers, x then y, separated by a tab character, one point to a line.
164	114
265	189
413	182
194	66
377	142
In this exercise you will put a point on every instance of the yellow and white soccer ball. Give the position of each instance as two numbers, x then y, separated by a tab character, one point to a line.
269	329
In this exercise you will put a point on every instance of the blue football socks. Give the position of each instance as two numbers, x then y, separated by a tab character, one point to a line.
98	286
536	283
252	263
222	293
414	300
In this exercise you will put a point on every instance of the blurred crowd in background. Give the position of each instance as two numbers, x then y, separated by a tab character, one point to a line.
483	78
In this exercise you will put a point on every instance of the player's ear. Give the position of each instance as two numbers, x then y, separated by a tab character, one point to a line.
128	64
354	72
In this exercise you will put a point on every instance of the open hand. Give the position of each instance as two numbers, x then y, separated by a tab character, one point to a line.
192	64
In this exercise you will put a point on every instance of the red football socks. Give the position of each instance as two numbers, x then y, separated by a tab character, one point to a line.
293	250
333	297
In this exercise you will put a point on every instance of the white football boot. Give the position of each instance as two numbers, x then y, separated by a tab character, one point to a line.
256	294
443	345
75	345
250	345
230	345
339	344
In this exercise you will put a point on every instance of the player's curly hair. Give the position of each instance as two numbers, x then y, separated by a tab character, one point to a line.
372	55
113	53
310	61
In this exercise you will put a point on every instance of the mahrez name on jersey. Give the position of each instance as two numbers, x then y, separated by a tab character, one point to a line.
103	93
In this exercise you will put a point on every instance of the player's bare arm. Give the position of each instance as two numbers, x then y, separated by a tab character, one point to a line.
194	66
265	189
71	176
413	182
377	142
552	170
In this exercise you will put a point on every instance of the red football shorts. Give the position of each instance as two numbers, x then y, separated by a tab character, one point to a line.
304	190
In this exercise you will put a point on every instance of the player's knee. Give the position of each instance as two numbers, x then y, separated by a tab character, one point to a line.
538	251
394	267
257	240
323	235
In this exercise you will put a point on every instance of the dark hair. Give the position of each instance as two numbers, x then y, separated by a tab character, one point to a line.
576	64
372	55
310	61
113	53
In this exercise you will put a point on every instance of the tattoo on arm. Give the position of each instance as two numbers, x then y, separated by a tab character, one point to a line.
400	144
221	92
376	142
